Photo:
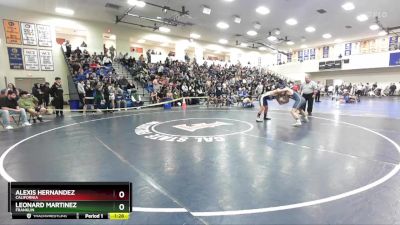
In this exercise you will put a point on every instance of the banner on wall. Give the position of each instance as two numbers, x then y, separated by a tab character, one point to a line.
325	52
289	57
137	50
393	43
300	58
15	58
12	32
347	49
312	54
373	46
29	35
44	35
364	47
31	59
46	60
394	59
306	54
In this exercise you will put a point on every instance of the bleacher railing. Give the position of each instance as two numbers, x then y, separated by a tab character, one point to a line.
72	89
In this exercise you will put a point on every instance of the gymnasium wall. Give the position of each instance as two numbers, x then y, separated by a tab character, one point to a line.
383	76
60	68
361	68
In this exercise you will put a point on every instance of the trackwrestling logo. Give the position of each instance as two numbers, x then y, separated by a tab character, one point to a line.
147	130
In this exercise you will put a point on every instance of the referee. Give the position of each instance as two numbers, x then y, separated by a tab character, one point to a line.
309	89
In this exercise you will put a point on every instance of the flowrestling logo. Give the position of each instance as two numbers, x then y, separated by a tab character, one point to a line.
198	130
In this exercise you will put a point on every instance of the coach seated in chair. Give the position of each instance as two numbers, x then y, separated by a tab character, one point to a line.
9	106
31	105
120	98
136	99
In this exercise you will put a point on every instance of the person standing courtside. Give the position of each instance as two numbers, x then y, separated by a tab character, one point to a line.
320	88
309	89
57	93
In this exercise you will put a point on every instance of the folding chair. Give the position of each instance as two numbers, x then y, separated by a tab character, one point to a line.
12	119
15	121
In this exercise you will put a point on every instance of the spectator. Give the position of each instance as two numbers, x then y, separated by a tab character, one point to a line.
57	93
107	61
154	97
130	87
392	89
81	91
37	92
148	55
46	94
68	49
89	96
31	105
78	52
11	87
112	52
119	96
136	99
320	88
187	58
9	106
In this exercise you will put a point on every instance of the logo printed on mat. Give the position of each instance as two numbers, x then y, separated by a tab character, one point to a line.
189	130
199	126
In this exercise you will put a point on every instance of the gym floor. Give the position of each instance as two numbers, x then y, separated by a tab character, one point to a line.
218	166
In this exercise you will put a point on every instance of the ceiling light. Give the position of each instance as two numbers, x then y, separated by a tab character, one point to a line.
137	3
348	6
290	43
244	45
262	48
383	33
303	46
164	29
229	0
272	38
338	40
252	33
291	21
277	32
222	25
327	36
65	11
374	27
206	10
310	29
263	10
141	41
223	41
195	36
237	19
362	18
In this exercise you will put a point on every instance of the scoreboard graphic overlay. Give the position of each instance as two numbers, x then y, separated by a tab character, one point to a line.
67	200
